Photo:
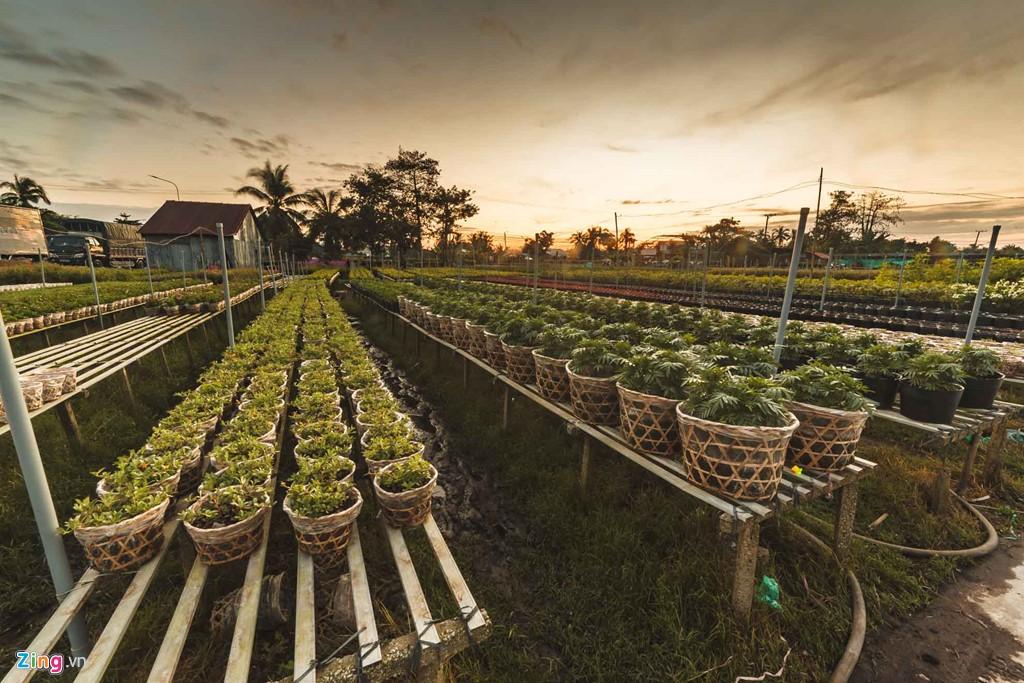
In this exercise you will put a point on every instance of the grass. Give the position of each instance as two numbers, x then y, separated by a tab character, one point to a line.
631	581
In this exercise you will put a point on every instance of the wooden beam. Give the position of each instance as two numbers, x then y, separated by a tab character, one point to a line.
369	644
304	660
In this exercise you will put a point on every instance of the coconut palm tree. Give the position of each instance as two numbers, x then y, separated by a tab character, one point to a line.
22	192
326	221
278	214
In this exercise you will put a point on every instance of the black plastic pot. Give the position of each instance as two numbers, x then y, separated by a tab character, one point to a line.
928	405
881	389
980	392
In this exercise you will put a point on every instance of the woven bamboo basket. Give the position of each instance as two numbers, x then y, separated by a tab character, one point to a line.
495	351
409	508
476	342
324	536
170	485
126	545
594	399
826	439
191	473
403	305
519	363
228	543
460	335
374	466
648	422
743	463
444	328
552	379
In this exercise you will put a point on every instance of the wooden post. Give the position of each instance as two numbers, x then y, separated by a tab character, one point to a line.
992	476
128	387
504	407
967	473
46	338
188	347
940	491
167	366
747	537
585	462
846	511
465	372
85	324
70	424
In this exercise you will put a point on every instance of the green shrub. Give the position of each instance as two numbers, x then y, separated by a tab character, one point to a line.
717	395
826	386
405	476
935	371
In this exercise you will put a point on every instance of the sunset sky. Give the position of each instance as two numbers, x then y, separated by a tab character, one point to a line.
556	114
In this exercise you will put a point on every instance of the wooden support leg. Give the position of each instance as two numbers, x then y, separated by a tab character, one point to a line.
167	366
504	407
465	372
967	474
992	476
85	324
940	492
70	424
585	462
747	537
128	387
846	511
188	347
206	335
46	338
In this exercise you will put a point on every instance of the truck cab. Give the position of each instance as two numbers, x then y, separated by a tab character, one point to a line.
71	249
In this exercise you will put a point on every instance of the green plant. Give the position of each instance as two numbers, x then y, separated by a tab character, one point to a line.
405	476
979	362
389	446
226	506
660	372
826	386
333	443
934	371
558	341
255	471
241	449
322	468
520	330
882	361
597	357
139	469
320	497
118	506
717	395
743	360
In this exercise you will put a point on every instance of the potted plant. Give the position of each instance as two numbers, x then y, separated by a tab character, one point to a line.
650	385
256	471
518	340
592	370
734	432
140	470
322	512
983	378
830	405
120	531
340	468
388	444
227	524
405	491
879	367
550	359
931	387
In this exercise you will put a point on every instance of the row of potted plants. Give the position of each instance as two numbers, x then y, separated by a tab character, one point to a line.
200	300
219	426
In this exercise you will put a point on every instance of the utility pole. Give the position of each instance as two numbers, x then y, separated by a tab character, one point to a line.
536	264
817	209
977	236
227	287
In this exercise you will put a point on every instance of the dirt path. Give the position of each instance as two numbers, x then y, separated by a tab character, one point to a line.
973	632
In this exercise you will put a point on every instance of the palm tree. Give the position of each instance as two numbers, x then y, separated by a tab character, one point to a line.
23	192
277	194
325	219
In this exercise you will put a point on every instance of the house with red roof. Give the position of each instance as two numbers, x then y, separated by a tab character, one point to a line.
183	235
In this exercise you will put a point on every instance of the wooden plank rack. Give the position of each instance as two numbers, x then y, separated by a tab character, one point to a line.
740	520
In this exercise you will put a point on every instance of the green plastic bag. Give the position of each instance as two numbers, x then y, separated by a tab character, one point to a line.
768	592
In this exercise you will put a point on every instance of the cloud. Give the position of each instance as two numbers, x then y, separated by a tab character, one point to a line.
79	85
18	47
340	166
620	148
495	27
261	145
212	119
629	202
150	94
340	41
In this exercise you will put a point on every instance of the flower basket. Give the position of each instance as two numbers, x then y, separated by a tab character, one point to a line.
53	384
648	422
594	399
519	363
32	389
476	343
228	543
170	485
126	545
375	466
327	536
191	473
408	508
433	323
552	379
495	352
460	335
826	439
444	328
743	463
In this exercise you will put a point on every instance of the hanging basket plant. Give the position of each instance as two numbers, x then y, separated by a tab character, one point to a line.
650	385
592	370
734	433
832	410
122	531
404	491
227	524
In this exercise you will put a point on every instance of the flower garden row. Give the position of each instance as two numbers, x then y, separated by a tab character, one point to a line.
215	455
698	385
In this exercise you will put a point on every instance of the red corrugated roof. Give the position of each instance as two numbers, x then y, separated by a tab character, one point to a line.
181	218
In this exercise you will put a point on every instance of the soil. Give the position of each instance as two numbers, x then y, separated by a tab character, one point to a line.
973	632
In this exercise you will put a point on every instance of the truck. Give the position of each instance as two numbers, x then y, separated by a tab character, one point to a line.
111	244
21	233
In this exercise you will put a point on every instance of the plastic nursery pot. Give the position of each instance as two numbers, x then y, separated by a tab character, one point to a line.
552	379
594	399
980	392
225	544
881	389
408	508
826	438
740	462
324	536
648	422
126	545
929	405
519	363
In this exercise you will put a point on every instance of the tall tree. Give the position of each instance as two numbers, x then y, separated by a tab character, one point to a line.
451	205
22	191
833	228
279	201
125	218
375	212
326	221
722	234
416	183
543	239
876	215
587	241
482	245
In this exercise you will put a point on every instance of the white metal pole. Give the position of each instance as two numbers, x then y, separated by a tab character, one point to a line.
787	299
149	272
42	267
259	269
704	280
227	286
982	283
95	289
34	474
824	283
184	281
899	283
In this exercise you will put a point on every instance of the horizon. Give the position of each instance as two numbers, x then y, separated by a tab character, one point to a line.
555	116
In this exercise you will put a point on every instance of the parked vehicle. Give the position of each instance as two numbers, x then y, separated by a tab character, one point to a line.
21	233
121	242
70	249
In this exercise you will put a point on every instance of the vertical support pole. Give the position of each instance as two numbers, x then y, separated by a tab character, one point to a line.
465	372
899	283
184	279
982	283
585	462
259	269
787	299
824	282
536	264
270	253
704	278
149	272
227	286
167	366
128	387
95	288
34	474
967	473
940	490
592	247
994	454
70	424
747	537
506	399
959	266
846	511
42	266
